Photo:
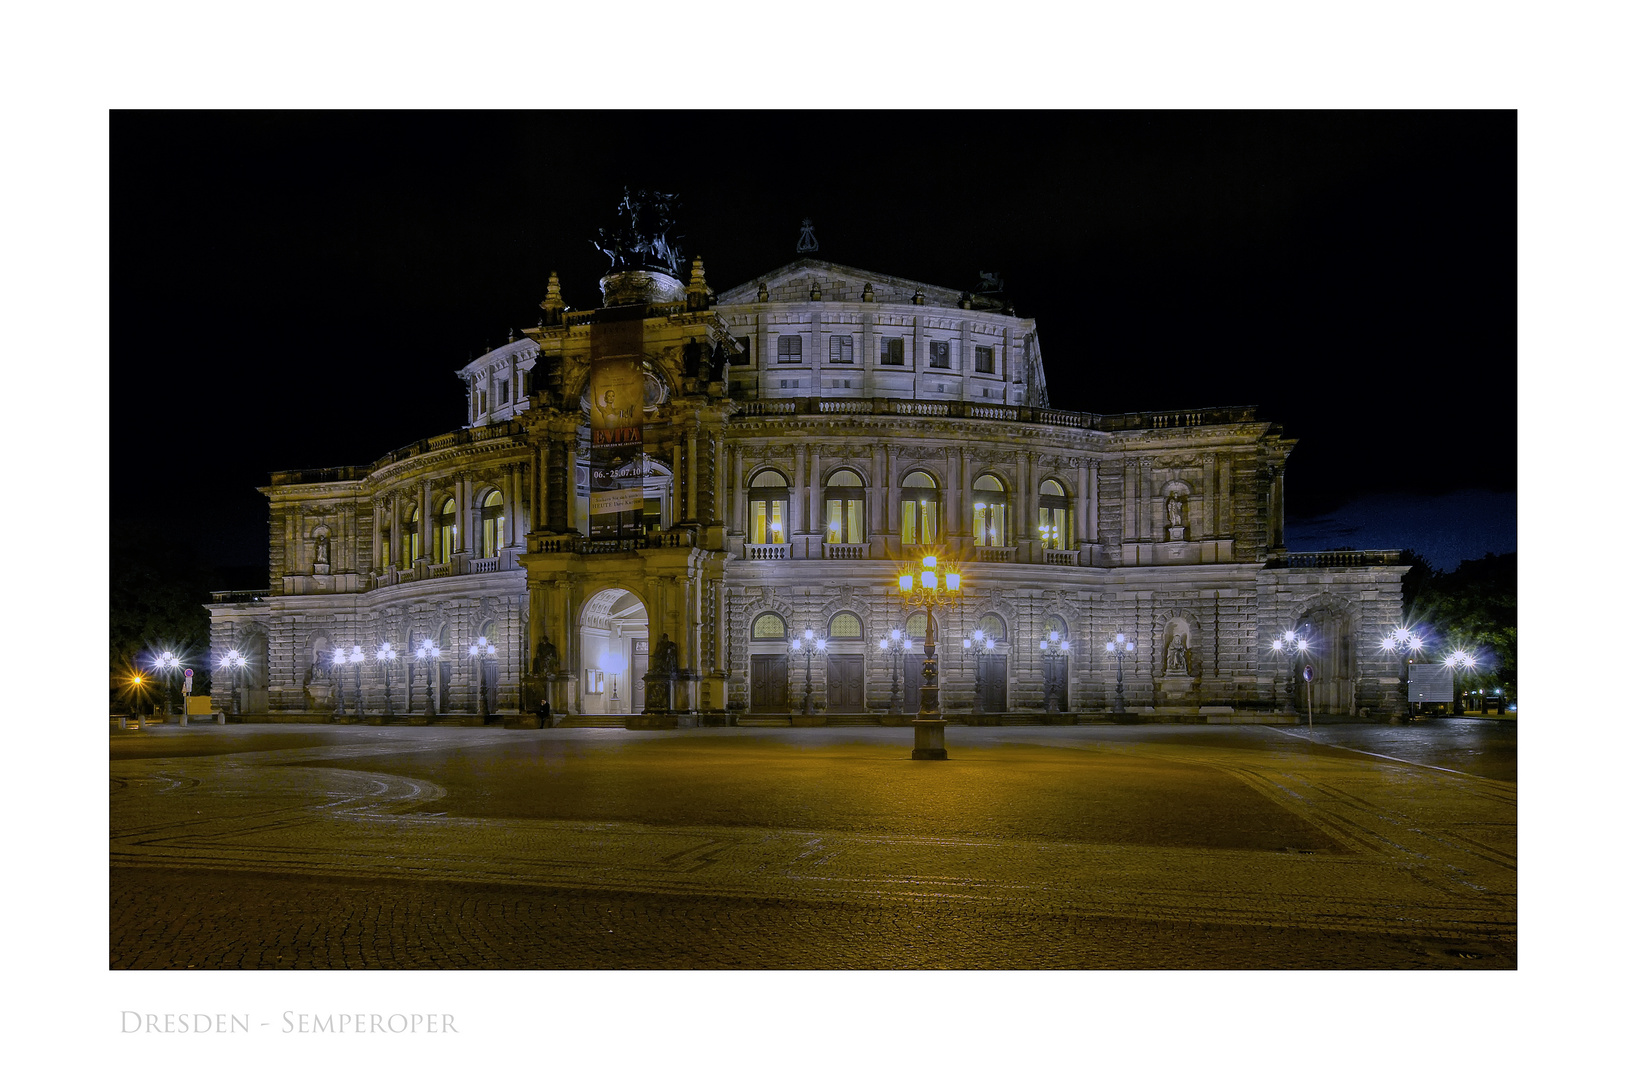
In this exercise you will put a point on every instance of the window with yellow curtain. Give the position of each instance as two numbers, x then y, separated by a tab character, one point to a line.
988	512
919	505
1055	517
768	501
491	524
844	508
446	531
411	543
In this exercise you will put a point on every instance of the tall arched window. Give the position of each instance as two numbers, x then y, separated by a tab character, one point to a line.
993	627
769	500
491	524
919	509
844	508
988	512
411	546
445	528
1055	516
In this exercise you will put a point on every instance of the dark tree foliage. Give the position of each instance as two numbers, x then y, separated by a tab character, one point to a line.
157	588
1474	606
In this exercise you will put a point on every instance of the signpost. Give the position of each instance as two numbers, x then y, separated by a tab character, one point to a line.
1310	718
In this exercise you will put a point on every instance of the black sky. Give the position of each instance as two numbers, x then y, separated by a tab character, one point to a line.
298	289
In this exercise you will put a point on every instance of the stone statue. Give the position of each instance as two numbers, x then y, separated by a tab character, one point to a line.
322	550
1175	656
664	657
1176	509
640	238
546	661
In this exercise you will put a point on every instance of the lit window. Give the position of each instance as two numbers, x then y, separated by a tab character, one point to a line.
841	350
993	627
769	499
1055	517
790	349
491	524
846	625
446	531
919	505
988	512
915	625
768	627
411	550
844	508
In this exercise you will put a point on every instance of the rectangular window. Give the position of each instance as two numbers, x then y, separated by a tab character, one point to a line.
791	349
841	350
940	353
985	360
892	350
744	355
502	391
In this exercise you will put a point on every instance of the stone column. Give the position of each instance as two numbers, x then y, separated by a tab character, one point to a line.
816	500
739	515
691	477
1223	498
396	549
1209	525
1083	507
423	523
378	533
799	495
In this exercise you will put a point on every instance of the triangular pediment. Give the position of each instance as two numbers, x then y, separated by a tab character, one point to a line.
795	281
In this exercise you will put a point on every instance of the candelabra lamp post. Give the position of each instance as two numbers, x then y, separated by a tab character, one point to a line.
893	643
1460	661
927	587
1285	646
1117	648
807	645
430	656
478	652
385	655
355	661
168	664
1053	651
977	645
1406	641
234	662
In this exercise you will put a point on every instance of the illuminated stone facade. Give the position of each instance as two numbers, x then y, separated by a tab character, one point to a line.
804	434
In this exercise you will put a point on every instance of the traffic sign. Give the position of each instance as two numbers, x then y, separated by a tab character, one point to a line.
1309	671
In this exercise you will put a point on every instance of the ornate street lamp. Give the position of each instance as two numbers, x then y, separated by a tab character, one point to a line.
1117	648
925	586
893	643
977	645
1407	641
807	644
478	652
1460	661
386	659
1286	646
1053	651
235	662
167	665
429	654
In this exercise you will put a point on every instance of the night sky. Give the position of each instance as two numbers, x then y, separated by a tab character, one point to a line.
299	289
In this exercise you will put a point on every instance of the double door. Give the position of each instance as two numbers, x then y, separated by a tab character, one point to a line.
844	684
769	684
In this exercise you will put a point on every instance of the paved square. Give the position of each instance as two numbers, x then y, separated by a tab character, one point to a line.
282	846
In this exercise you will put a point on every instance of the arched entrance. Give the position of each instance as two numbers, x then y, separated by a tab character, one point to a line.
614	647
1333	684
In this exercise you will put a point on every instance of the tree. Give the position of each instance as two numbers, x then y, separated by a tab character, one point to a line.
1475	606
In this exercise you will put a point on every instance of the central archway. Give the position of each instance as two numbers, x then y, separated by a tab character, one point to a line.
613	638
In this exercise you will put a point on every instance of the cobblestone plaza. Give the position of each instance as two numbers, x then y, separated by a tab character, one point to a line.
320	847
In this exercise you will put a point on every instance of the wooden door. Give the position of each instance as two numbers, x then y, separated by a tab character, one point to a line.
994	684
640	668
768	684
844	684
911	702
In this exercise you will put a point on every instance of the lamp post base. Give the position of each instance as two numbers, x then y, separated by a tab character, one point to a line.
929	741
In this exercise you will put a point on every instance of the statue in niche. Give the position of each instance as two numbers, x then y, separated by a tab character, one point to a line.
546	661
1176	509
664	657
1175	656
323	552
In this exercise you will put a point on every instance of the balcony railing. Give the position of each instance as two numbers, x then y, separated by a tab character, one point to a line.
1019	414
996	554
847	551
768	551
1309	560
239	596
1056	557
485	566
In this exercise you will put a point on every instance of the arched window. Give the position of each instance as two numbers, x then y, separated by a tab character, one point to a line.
915	626
919	502
491	524
446	531
1055	517
846	625
1054	625
988	512
844	508
768	627
411	542
993	627
770	497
